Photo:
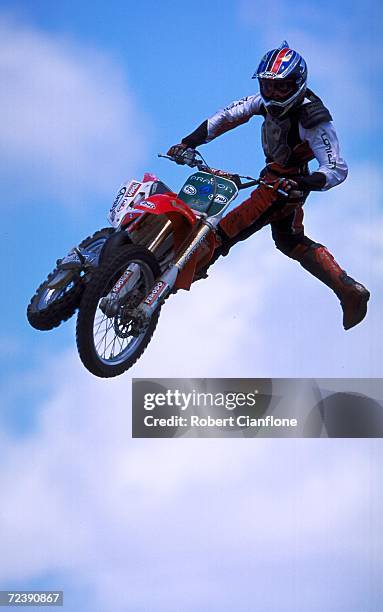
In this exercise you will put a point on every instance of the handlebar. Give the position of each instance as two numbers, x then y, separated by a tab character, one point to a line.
184	160
192	162
188	158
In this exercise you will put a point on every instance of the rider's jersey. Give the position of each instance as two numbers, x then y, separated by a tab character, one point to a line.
321	141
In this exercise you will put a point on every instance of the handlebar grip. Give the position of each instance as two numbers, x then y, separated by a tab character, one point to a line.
281	192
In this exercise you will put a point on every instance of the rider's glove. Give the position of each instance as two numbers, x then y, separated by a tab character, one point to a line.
284	184
177	150
183	154
289	189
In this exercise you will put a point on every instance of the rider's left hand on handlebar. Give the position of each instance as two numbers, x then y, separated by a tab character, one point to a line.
177	149
183	154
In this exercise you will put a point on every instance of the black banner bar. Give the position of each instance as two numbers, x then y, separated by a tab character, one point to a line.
257	407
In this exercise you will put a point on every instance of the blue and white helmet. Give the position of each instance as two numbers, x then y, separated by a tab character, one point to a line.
282	76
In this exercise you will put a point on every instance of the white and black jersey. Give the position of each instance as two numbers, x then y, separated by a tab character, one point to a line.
310	123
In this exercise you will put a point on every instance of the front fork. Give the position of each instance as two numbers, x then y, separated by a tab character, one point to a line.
165	283
111	303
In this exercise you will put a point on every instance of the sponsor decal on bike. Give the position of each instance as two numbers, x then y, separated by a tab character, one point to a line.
133	188
220	199
157	290
121	205
195	248
126	192
202	179
189	189
146	204
118	199
205	189
122	281
210	181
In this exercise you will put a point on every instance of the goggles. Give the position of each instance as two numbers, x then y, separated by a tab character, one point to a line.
277	89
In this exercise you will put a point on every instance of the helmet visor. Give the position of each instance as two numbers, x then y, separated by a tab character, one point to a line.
277	90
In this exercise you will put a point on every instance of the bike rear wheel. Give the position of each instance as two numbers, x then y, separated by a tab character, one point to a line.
50	307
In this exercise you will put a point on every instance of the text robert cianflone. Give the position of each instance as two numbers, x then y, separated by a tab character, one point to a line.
209	421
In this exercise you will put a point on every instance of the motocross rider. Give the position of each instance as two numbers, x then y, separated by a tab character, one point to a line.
297	128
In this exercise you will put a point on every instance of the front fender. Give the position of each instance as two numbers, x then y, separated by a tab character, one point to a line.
167	204
181	216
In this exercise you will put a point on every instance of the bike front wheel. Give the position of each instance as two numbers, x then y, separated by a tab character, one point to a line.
110	345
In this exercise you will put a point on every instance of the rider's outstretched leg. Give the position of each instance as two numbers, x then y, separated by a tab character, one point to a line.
317	260
242	222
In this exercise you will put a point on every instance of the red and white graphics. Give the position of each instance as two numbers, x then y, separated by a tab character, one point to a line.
128	196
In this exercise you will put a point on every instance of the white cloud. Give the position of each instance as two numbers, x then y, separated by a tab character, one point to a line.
70	124
335	62
85	501
206	329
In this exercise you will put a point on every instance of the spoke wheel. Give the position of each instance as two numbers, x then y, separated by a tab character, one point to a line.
109	345
50	307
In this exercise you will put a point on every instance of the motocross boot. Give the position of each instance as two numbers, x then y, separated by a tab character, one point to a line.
352	295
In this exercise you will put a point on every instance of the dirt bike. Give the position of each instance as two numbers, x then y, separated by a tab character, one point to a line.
120	277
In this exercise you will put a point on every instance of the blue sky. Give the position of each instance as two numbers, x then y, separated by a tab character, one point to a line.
91	92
